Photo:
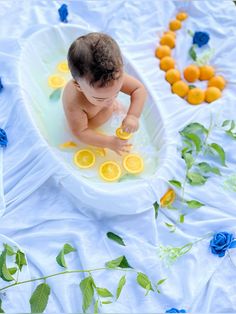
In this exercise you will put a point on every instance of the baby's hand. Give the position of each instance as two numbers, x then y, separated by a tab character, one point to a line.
119	146
130	124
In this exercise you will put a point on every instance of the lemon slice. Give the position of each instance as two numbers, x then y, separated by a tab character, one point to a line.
123	135
100	151
56	81
110	171
84	158
63	67
133	163
68	144
168	198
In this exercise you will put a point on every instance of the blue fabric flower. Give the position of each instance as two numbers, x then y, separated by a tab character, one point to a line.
3	138
174	310
221	242
1	86
200	38
63	13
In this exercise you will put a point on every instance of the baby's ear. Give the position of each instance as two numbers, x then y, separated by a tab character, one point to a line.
77	85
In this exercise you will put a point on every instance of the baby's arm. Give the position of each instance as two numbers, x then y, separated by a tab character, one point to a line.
138	94
78	123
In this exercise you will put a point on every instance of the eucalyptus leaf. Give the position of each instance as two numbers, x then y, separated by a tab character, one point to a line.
116	238
225	123
39	298
192	53
103	292
195	139
144	281
231	134
189	160
193	128
206	168
67	248
194	204
156	208
118	262
220	152
121	284
86	286
196	178
175	183
20	259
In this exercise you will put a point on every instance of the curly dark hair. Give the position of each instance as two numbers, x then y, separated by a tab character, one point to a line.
95	57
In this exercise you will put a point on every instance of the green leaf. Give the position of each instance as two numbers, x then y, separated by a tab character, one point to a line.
144	281
195	139
86	286
4	272
205	57
156	207
232	125
55	95
181	218
103	292
170	226
192	53
116	238
1	310
191	33
225	123
12	270
39	298
194	204
220	151
161	281
196	178
67	248
106	302
193	128
176	183
231	134
121	284
9	249
118	262
206	168
20	259
96	307
189	160
192	86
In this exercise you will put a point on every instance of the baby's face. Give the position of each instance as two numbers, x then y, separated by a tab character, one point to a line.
101	96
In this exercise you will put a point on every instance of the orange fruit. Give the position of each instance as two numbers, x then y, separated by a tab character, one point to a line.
173	34
180	88
162	51
212	94
181	16
168	40
172	76
206	72
191	73
167	63
168	198
195	96
175	25
217	81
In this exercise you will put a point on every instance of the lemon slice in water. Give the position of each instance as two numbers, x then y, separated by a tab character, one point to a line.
84	158
123	135
63	67
56	81
133	163
68	144
168	198
110	171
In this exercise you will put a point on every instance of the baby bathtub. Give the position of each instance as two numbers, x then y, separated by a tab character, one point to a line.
40	53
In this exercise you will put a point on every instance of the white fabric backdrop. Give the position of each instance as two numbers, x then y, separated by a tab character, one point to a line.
40	216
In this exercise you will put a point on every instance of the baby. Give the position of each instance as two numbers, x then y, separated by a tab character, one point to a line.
89	99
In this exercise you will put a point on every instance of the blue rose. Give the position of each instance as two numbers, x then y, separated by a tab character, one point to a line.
3	138
221	242
174	310
63	13
1	86
200	38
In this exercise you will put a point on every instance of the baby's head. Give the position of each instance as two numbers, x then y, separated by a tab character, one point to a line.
96	65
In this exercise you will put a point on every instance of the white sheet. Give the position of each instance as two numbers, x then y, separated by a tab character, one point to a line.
40	216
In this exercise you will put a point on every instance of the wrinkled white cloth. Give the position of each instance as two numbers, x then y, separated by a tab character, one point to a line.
39	215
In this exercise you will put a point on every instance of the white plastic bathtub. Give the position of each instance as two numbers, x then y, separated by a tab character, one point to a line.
40	54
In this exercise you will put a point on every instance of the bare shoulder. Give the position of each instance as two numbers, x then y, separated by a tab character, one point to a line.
130	84
70	96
